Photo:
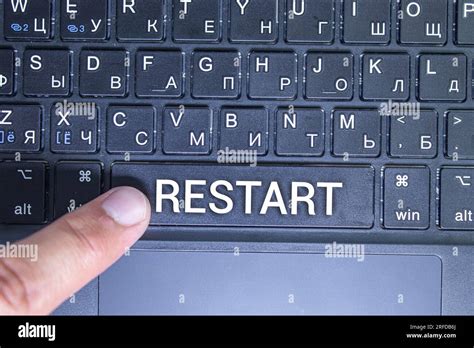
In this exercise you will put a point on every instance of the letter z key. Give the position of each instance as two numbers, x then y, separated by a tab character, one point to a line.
20	128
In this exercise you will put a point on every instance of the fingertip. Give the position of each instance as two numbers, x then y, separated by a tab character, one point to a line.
127	206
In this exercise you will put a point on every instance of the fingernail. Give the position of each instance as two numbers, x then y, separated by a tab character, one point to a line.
126	205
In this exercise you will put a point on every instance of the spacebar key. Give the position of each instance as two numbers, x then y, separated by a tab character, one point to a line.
218	195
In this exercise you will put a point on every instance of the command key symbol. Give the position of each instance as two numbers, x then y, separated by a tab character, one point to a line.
85	176
401	180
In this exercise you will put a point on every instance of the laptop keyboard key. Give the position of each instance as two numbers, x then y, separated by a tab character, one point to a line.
159	74
20	128
225	195
442	77
22	185
460	134
140	20
406	197
243	129
386	76
414	135
254	20
103	73
84	19
7	72
300	132
187	130
27	19
74	127
464	22
356	133
457	198
310	21
76	183
130	129
216	74
423	21
197	20
47	73
367	21
272	75
329	76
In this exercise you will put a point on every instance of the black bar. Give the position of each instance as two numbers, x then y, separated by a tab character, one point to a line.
138	331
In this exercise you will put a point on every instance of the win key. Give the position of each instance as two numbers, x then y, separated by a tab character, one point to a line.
216	195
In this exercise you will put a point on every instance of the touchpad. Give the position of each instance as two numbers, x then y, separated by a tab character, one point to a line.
159	282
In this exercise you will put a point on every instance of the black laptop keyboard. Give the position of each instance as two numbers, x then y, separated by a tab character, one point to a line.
315	114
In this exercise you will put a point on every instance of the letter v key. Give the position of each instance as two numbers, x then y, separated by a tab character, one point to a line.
176	121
